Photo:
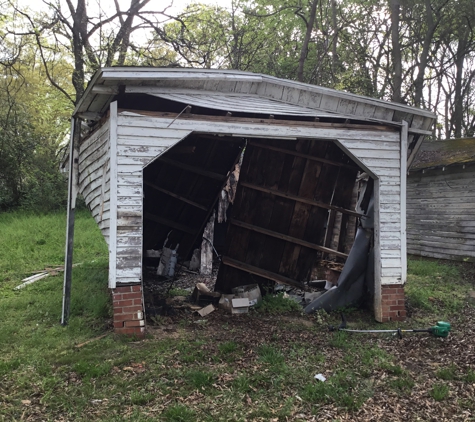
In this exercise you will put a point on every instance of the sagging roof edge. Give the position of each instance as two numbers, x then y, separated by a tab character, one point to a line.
138	73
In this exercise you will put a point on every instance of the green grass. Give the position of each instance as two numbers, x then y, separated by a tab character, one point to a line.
447	373
30	333
260	366
439	392
435	286
344	389
270	355
178	292
30	242
178	413
402	384
276	304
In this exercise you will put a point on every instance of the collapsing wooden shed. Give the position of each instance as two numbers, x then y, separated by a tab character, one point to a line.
441	200
158	145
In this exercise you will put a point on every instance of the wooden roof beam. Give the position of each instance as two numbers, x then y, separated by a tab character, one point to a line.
300	199
306	156
169	223
262	273
193	169
287	238
174	195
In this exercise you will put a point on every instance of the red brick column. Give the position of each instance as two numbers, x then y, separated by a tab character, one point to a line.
128	310
393	303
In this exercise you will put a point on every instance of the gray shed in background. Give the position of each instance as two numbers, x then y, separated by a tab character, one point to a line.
441	200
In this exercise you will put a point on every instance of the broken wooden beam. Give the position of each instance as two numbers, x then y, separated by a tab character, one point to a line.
300	199
169	223
206	263
287	238
260	272
301	155
174	195
193	169
31	279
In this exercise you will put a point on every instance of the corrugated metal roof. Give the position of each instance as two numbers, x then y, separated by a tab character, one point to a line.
244	104
445	153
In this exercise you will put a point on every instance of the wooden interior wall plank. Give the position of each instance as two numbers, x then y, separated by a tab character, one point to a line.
329	230
317	183
238	240
343	197
268	174
169	223
193	169
167	192
277	218
301	199
306	156
290	182
287	238
260	272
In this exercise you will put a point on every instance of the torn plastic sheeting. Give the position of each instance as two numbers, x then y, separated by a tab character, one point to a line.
350	287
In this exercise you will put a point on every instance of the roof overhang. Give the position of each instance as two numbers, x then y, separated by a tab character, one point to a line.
231	90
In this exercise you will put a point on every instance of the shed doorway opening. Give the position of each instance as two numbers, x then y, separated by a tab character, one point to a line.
295	216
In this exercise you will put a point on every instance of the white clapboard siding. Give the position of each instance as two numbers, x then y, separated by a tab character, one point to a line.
385	164
94	176
141	139
441	213
139	142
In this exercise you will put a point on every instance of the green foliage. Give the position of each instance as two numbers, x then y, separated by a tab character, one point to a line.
34	121
439	392
276	304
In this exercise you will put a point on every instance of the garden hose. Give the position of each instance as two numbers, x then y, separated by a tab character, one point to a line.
441	329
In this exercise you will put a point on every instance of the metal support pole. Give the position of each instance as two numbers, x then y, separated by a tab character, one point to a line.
72	195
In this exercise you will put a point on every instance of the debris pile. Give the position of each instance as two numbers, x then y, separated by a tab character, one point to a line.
191	292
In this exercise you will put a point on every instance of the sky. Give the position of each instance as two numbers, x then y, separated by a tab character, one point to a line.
178	5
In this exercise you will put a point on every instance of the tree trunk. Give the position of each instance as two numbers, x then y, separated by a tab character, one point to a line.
396	52
335	60
306	41
457	116
424	57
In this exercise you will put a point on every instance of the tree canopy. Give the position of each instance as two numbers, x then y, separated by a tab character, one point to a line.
417	52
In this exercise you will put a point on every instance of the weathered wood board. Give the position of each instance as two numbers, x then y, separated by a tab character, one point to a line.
441	212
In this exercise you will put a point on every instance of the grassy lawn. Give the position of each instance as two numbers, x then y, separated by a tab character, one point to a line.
255	367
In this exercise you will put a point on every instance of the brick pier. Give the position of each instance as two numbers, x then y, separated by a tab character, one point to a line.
393	303
127	304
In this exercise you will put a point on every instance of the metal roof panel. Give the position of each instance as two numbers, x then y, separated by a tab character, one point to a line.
243	104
